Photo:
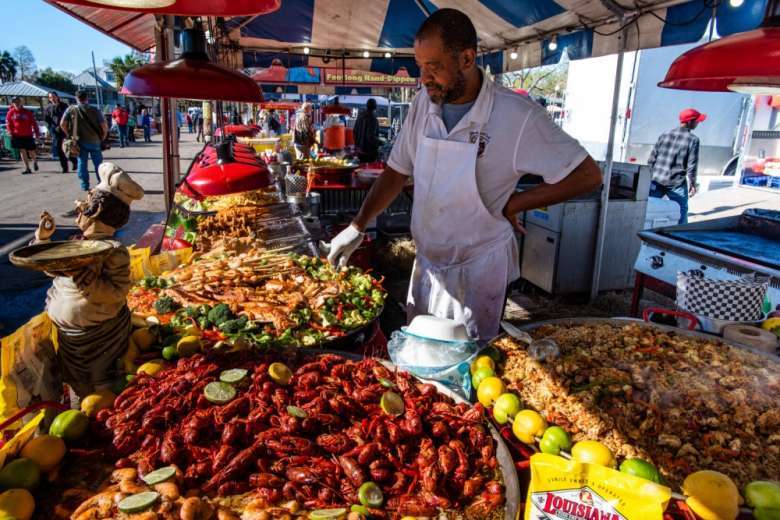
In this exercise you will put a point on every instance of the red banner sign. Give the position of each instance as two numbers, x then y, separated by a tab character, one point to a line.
364	78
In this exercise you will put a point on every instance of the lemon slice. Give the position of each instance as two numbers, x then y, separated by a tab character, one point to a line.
392	403
328	514
300	413
280	374
218	392
159	475
370	495
233	375
138	502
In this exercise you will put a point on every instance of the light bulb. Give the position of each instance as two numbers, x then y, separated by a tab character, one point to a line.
365	54
553	43
736	3
513	55
388	55
306	50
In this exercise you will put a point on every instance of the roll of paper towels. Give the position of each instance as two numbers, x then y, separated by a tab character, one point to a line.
751	336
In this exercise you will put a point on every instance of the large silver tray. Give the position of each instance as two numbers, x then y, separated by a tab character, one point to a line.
620	322
505	462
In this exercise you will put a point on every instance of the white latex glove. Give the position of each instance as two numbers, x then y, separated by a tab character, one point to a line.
46	227
343	245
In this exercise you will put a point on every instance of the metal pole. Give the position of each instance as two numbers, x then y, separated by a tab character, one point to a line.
602	224
98	97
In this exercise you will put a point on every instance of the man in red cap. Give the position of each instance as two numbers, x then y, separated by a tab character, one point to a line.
674	161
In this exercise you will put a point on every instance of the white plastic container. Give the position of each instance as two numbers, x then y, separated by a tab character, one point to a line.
661	212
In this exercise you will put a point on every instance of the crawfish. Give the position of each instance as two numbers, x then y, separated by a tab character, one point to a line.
435	500
488	501
223	456
234	432
380	470
364	453
336	443
309	380
270	495
239	463
410	505
430	477
233	487
170	449
235	407
368	394
301	475
398	485
440	430
319	421
488	455
286	423
265	480
412	424
462	471
279	398
352	470
472	485
290	444
447	460
427	452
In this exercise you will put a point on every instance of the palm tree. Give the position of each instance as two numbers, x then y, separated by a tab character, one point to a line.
7	67
121	67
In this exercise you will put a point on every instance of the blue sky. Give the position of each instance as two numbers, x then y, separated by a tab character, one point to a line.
56	40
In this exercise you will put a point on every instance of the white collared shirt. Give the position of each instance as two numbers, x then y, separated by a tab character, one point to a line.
516	137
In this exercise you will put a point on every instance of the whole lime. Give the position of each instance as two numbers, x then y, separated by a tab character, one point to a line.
20	473
506	406
170	353
554	440
480	374
69	425
641	468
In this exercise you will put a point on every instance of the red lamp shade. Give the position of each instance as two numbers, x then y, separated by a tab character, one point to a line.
187	7
744	62
192	76
336	109
221	179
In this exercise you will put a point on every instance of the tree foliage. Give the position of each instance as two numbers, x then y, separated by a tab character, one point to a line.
8	67
55	80
539	81
26	62
122	65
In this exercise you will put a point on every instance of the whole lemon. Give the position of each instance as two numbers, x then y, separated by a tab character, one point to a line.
143	338
46	451
17	503
528	425
151	367
593	452
711	495
483	362
93	403
489	390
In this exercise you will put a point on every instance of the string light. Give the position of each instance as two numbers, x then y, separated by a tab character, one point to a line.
553	45
513	54
365	54
736	3
306	50
388	55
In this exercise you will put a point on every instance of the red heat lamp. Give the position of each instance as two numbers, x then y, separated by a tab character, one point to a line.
336	109
187	7
743	62
192	76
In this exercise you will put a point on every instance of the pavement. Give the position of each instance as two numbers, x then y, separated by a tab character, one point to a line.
730	202
23	197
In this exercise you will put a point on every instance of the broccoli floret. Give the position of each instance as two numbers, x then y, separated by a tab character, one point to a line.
166	304
191	312
220	314
234	326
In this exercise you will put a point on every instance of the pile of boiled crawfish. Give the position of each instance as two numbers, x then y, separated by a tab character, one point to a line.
436	456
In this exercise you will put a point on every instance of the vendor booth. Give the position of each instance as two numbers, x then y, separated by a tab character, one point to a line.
257	381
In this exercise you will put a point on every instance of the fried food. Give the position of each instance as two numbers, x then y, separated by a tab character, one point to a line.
680	402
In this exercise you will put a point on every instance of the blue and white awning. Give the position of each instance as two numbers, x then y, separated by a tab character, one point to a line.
583	28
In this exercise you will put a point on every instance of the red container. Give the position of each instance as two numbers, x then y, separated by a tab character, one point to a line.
334	138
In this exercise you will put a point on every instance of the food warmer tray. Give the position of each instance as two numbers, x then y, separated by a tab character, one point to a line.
505	462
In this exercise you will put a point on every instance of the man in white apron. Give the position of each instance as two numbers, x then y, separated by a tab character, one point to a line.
466	142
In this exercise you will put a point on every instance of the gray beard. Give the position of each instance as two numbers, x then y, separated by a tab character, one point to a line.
454	92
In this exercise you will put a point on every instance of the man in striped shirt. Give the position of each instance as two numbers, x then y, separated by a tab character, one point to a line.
674	162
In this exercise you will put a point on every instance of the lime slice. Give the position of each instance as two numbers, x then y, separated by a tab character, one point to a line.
280	374
234	375
370	495
386	383
363	510
159	475
328	514
218	392
392	403
300	413
138	502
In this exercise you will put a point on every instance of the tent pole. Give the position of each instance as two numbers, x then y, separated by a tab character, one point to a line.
607	177
170	154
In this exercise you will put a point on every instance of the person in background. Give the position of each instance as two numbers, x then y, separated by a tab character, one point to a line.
23	129
120	117
53	115
199	126
367	133
91	130
188	117
88	306
674	162
303	136
273	122
132	121
146	124
179	123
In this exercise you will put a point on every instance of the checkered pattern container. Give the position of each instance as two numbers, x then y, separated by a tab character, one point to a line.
733	300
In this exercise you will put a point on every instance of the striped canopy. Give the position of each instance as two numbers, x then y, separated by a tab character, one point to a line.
582	28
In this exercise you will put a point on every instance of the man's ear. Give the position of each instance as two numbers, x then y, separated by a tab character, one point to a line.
467	58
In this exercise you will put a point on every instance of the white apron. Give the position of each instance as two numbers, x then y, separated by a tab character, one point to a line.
465	255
